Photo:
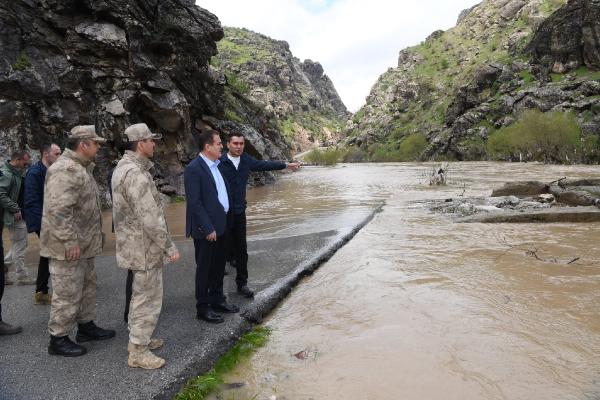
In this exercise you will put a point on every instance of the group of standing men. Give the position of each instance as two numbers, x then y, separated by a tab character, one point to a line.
71	234
21	204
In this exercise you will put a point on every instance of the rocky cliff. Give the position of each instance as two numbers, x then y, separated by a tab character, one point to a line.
113	63
502	57
297	97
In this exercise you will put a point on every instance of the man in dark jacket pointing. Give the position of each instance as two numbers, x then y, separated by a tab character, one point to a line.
236	166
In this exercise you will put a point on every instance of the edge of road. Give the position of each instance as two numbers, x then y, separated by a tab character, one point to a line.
264	302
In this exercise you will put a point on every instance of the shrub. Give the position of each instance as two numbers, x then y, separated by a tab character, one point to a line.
526	76
237	83
22	62
410	149
324	157
412	146
355	155
358	116
549	137
590	149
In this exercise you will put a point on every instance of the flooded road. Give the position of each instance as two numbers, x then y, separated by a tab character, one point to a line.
417	307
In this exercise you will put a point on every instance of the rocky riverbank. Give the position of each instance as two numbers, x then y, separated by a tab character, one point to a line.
563	200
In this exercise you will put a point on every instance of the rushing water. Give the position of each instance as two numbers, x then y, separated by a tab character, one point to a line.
418	307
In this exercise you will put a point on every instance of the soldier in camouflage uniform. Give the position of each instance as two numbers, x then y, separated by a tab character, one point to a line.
71	236
143	242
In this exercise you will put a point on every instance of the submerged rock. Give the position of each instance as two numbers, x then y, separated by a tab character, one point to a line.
529	188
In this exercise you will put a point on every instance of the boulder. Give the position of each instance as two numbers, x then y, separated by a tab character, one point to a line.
521	189
572	197
569	37
109	63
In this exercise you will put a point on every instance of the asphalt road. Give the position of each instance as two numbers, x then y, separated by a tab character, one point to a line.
191	346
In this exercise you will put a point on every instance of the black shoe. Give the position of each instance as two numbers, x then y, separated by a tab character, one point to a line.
7	329
245	291
225	307
210	316
63	346
89	331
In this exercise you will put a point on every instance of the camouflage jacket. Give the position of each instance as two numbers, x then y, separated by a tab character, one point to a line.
142	237
71	215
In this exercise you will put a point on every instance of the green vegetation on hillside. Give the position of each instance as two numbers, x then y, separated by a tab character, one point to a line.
414	97
22	62
311	121
537	136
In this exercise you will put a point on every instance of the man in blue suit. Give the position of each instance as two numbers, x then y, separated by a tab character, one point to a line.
236	166
33	206
207	208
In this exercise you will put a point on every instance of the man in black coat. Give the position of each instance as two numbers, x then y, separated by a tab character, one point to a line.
33	206
207	210
236	166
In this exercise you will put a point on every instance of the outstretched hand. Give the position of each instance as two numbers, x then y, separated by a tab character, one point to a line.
293	166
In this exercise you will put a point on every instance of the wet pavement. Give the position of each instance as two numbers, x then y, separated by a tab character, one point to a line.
284	245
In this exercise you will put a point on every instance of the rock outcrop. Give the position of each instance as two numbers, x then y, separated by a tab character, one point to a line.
569	38
108	63
297	97
113	63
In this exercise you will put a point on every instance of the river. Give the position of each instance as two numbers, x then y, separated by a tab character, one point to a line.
418	307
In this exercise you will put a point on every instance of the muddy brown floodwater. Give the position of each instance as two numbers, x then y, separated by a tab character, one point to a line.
417	307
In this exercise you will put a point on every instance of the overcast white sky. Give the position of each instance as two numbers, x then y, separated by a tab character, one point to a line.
354	40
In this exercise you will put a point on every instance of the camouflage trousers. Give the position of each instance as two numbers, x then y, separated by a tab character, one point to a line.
145	306
74	294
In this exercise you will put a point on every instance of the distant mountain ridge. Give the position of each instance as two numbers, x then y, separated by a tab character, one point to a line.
297	96
502	57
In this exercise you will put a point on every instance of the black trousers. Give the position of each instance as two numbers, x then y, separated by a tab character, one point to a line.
210	268
128	292
1	268
43	275
239	247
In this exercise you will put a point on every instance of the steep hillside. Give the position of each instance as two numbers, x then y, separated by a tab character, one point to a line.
454	90
296	97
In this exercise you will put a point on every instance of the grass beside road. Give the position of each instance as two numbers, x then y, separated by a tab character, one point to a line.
198	388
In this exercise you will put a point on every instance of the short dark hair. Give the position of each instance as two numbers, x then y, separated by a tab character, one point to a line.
73	143
206	137
46	147
132	146
19	155
235	134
